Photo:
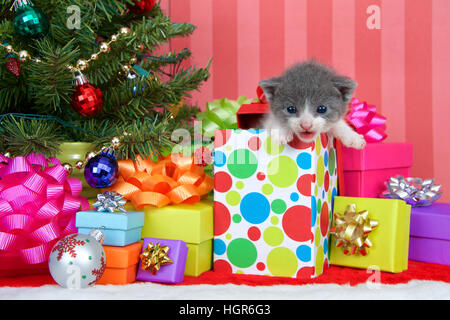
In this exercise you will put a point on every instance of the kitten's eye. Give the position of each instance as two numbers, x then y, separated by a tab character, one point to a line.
291	109
321	109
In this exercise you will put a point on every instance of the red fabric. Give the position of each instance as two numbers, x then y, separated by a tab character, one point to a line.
335	274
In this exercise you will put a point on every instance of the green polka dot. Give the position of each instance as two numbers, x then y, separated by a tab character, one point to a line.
282	171
241	253
237	218
87	240
317	237
331	161
267	189
274	220
316	191
278	206
90	258
319	261
240	185
320	174
233	198
273	236
319	206
282	262
318	145
228	236
84	277
242	163
272	148
70	262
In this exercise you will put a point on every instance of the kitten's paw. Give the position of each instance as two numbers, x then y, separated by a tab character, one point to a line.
355	141
281	137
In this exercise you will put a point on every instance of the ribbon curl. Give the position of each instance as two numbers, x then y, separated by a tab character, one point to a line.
414	191
38	204
109	202
154	256
174	179
220	114
366	121
352	230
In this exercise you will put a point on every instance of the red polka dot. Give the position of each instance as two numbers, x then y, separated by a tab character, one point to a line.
254	143
296	143
297	223
222	266
222	218
221	137
304	184
254	234
306	273
260	266
324	219
327	181
324	140
222	181
260	176
325	265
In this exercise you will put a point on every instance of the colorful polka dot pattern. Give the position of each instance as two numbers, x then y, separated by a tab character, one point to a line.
272	205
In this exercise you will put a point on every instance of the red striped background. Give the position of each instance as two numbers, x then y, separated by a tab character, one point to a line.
403	67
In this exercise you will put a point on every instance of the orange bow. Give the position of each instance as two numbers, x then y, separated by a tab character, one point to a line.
173	179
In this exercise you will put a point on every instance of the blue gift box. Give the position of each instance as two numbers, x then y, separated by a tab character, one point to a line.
120	229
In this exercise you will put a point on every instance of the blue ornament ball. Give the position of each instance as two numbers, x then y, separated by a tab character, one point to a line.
102	171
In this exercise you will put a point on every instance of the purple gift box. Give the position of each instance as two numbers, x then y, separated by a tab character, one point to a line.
170	273
430	234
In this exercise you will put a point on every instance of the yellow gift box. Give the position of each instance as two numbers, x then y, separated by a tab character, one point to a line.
389	239
191	223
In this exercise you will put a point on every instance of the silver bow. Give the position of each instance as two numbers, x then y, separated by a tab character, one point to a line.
414	191
109	202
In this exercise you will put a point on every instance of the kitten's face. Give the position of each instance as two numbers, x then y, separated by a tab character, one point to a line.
308	98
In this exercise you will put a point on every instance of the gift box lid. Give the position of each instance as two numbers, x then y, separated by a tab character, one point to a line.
122	257
250	115
117	221
378	156
431	221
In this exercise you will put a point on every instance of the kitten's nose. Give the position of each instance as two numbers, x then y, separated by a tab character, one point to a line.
306	126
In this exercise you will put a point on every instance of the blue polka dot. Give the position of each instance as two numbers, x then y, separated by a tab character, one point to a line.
294	196
219	247
219	158
304	253
255	208
304	160
313	211
323	194
254	131
325	158
333	194
325	246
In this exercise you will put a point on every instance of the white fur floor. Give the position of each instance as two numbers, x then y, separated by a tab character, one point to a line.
413	290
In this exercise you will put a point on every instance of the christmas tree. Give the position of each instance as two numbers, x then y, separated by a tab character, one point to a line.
87	70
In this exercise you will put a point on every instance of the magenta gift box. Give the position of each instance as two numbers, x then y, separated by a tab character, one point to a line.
170	273
430	234
367	170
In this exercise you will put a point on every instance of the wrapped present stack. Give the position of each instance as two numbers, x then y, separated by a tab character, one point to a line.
172	195
122	231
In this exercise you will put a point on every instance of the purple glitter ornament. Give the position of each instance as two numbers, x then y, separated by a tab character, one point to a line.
102	171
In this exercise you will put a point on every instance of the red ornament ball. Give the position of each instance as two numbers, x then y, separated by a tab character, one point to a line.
141	6
87	99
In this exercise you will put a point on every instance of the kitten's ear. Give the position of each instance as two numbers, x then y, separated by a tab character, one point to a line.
346	87
269	86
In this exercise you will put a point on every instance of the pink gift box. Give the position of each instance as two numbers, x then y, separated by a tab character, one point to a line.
367	170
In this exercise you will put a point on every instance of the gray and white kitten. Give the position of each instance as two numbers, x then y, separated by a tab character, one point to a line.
306	100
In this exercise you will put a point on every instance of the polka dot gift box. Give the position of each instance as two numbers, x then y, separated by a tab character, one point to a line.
272	204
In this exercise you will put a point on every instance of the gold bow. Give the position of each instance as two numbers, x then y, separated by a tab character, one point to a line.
352	230
154	256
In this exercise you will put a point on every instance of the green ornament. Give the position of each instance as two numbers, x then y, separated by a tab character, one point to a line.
29	20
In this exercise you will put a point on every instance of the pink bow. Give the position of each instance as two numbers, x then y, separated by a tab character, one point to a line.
366	121
38	204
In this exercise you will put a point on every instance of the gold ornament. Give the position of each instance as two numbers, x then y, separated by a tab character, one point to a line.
133	60
114	38
124	31
7	154
104	47
115	142
94	56
126	68
68	168
82	64
79	165
154	256
90	155
24	55
9	48
352	230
